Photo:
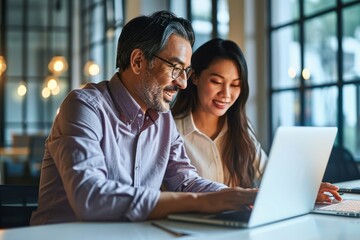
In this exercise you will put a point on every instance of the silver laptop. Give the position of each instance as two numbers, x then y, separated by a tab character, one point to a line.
289	186
346	208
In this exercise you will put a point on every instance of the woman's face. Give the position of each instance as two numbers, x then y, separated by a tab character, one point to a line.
218	87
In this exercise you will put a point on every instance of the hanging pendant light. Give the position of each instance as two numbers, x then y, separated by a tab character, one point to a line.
51	82
45	93
51	87
91	68
2	65
22	89
58	65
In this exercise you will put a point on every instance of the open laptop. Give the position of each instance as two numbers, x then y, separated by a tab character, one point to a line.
290	183
346	208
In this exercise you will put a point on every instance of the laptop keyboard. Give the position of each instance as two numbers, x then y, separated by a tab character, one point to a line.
344	206
241	216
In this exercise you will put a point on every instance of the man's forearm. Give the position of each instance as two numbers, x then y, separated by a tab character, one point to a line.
209	202
173	202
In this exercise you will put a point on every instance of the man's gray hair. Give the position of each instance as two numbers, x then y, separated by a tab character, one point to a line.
150	34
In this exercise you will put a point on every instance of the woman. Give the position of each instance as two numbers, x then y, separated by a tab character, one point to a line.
210	115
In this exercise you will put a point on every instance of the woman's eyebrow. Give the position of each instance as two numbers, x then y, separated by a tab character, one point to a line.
220	76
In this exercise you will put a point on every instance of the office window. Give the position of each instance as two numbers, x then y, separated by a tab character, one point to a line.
314	66
210	18
102	21
223	18
313	6
201	19
320	49
33	32
284	11
286	64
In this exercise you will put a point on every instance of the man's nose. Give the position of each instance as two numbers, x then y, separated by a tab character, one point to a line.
181	81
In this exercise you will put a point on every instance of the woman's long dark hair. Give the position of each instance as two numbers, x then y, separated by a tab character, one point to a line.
238	149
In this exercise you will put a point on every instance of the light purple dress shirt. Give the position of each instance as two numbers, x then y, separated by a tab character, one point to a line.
105	160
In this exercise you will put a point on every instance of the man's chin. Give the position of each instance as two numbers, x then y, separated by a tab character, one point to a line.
163	107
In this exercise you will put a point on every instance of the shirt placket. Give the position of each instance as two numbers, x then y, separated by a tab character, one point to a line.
138	155
144	121
137	165
218	162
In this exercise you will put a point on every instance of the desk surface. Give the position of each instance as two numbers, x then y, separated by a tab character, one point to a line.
310	226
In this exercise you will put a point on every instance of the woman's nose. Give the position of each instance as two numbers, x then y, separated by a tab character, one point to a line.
226	91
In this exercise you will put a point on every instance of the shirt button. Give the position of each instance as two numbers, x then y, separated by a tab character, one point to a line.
139	115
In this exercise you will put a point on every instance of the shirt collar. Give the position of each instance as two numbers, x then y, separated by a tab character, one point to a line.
152	114
189	126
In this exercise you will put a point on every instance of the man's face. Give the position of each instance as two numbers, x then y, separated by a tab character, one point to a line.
157	87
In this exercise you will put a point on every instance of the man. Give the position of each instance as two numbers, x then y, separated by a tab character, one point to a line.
114	143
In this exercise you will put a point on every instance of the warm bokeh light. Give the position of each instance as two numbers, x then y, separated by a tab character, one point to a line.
51	87
55	91
110	33
46	92
306	73
22	89
291	72
2	65
52	83
91	68
58	64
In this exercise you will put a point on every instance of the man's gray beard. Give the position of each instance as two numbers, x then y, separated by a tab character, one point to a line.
151	94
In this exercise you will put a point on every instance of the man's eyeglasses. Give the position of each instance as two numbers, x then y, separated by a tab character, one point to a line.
177	69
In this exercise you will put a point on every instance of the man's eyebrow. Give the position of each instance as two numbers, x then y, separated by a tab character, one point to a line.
177	60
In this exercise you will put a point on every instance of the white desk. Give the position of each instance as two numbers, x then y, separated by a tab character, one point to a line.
310	226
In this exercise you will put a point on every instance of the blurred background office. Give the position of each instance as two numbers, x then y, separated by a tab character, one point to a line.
303	58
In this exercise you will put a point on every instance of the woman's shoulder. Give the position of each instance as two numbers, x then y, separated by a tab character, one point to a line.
179	122
184	124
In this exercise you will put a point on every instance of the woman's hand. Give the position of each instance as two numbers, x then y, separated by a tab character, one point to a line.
328	187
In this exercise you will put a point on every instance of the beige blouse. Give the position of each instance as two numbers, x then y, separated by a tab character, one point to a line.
205	155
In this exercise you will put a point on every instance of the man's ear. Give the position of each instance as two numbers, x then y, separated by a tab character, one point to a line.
137	61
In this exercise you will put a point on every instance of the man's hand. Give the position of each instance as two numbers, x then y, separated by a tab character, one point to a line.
227	199
210	202
328	187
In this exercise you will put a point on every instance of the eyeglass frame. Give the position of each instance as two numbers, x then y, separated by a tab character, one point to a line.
188	70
